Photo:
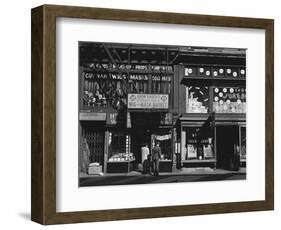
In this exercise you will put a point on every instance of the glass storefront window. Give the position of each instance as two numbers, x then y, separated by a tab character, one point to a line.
197	99
111	89
243	143
197	143
229	100
138	83
161	84
102	89
119	147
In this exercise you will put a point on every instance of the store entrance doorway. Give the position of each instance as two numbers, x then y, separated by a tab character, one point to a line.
140	137
143	125
227	141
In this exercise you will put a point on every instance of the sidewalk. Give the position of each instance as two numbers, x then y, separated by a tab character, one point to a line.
183	171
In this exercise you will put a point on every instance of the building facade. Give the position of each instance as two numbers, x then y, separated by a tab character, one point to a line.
190	99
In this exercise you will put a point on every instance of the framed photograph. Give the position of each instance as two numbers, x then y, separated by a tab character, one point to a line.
140	114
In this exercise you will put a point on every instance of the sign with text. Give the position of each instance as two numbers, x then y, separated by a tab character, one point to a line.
148	101
92	116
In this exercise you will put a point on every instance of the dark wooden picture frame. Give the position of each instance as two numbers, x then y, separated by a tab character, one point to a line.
43	202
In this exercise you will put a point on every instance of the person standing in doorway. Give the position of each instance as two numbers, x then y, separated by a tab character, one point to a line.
156	155
145	161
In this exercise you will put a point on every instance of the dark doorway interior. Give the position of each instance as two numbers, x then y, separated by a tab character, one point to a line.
227	139
143	125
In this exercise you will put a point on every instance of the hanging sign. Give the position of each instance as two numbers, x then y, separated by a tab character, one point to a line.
163	137
148	101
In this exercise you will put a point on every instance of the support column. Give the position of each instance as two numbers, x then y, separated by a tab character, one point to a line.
106	135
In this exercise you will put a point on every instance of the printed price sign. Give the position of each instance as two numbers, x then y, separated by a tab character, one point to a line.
148	101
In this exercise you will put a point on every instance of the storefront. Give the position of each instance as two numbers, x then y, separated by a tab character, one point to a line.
213	126
130	103
193	103
117	147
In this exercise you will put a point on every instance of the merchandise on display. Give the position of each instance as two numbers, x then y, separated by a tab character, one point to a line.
197	99
229	100
117	157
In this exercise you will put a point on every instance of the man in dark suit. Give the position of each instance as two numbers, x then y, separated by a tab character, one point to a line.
156	155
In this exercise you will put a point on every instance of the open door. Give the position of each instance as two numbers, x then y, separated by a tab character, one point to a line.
227	139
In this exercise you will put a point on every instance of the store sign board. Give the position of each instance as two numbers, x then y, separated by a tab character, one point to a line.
148	101
92	116
163	137
133	77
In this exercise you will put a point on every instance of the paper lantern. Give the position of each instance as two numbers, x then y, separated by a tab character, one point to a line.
215	73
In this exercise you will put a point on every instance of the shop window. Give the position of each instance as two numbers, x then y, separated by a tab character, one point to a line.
161	84
165	140
138	83
197	99
197	143
103	89
229	99
119	147
243	143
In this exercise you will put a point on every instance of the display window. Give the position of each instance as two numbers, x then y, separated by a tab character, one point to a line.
161	84
119	147
138	83
197	143
110	90
104	89
197	99
229	99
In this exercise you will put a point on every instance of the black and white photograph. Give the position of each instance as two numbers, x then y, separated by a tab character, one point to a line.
160	113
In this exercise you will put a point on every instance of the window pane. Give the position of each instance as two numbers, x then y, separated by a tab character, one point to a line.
197	99
119	147
101	90
197	143
161	84
138	83
229	100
